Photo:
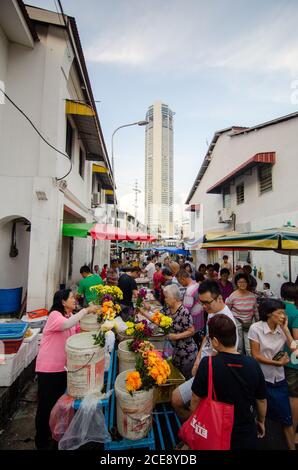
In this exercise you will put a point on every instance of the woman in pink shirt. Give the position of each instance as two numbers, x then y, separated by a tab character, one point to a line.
51	359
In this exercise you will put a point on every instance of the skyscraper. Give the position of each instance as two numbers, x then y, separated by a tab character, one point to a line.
159	171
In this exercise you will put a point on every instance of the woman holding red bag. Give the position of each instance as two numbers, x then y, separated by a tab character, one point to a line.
237	380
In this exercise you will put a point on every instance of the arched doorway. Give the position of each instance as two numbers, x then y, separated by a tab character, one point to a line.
15	232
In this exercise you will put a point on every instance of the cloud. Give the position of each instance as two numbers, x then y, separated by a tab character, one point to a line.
176	40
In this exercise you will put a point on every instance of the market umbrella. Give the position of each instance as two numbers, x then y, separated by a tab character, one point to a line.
283	240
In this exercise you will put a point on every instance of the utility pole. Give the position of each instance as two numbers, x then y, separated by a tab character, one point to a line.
136	190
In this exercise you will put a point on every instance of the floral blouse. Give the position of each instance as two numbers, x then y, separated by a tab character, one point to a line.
185	350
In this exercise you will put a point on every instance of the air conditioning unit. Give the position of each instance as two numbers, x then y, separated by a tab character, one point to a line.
225	216
96	199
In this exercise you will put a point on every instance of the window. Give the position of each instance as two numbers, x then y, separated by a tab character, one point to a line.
69	139
226	196
82	163
240	193
265	178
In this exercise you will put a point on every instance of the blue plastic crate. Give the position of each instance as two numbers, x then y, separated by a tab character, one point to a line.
13	330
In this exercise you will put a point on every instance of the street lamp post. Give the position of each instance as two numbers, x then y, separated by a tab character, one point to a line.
137	123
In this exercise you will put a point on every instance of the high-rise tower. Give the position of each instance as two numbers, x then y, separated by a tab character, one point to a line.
159	171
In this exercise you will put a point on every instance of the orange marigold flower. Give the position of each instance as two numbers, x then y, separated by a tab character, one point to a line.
133	381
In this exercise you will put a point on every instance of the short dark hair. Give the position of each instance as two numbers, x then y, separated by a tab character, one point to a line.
216	267
149	258
167	272
223	329
247	267
199	277
289	291
268	306
57	300
267	285
203	265
182	274
210	266
85	269
209	286
134	269
158	264
225	257
241	276
114	260
224	271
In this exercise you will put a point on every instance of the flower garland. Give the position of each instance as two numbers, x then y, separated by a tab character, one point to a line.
151	370
162	321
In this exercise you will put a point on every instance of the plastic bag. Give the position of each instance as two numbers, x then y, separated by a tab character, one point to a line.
88	425
167	349
61	416
110	341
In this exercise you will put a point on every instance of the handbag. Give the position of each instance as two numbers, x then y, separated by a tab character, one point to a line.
210	426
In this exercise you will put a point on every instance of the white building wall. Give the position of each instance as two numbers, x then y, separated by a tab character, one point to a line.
271	209
37	80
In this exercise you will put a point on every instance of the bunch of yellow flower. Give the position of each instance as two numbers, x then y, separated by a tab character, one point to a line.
130	328
112	291
163	321
133	381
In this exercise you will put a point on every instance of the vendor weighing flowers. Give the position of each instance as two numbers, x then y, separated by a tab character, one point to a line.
51	359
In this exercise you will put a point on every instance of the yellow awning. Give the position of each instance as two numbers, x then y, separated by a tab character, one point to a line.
99	169
87	126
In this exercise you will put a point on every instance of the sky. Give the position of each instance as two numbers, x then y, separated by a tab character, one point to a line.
215	63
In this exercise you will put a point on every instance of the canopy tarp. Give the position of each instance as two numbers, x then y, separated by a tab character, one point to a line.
109	232
283	238
76	230
174	250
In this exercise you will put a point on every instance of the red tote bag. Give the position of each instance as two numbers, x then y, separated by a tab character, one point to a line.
210	426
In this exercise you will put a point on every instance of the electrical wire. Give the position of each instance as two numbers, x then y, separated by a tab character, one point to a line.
40	135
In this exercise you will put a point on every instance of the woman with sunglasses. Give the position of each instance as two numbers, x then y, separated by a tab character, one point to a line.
243	305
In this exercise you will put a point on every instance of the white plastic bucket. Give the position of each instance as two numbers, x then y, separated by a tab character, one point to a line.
134	412
85	365
127	359
89	323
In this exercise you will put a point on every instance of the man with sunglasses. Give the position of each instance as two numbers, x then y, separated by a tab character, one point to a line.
213	304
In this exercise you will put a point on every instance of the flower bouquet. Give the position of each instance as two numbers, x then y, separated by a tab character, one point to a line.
138	329
151	370
102	293
140	346
163	322
141	297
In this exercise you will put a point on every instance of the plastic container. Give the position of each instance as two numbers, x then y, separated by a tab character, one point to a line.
163	393
35	322
10	300
42	312
13	330
85	365
12	335
127	358
134	412
32	349
89	323
12	365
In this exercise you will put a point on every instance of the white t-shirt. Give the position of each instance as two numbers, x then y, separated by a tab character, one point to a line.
150	268
207	349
